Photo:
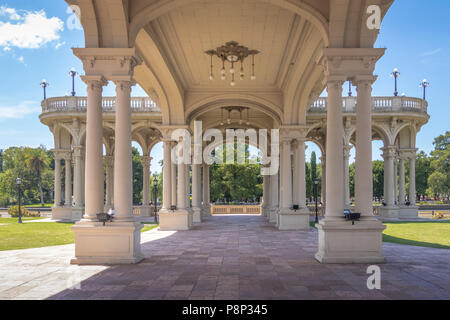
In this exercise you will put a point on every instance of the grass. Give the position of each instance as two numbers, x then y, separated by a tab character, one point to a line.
47	205
14	236
433	234
148	226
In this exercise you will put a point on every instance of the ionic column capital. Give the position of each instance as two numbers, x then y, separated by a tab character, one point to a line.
146	161
94	82
364	81
78	151
389	152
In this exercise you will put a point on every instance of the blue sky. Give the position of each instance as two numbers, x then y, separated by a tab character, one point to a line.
416	35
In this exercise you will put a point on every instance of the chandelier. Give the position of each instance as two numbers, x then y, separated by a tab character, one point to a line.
232	53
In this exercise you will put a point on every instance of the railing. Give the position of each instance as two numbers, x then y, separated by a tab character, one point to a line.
79	104
235	209
379	104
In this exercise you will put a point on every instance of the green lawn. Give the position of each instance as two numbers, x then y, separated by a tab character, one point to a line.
434	234
14	236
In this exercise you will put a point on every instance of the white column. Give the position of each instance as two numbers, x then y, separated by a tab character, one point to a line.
388	155
196	184
181	187
78	179
123	177
323	189
167	163
299	174
334	152
146	160
57	180
286	175
83	182
68	181
395	180
412	180
94	180
266	195
363	159
188	185
109	159
274	198
347	175
401	186
173	176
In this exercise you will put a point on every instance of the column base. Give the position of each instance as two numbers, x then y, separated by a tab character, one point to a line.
408	212
293	220
196	214
206	211
342	242
273	215
114	243
67	214
178	220
389	213
145	211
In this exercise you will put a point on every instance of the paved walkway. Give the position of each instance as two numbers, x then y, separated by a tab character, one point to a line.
226	257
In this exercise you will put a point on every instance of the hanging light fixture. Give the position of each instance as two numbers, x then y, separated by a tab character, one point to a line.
233	53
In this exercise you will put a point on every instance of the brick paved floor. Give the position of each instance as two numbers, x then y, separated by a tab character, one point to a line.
226	257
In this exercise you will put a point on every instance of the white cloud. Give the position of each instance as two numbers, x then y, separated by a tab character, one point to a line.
32	30
20	111
431	53
59	45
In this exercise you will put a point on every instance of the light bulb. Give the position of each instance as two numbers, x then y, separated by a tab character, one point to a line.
232	70
211	77
223	71
242	76
253	77
233	83
223	77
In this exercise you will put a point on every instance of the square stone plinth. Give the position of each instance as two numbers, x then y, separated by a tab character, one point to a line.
389	213
114	243
68	214
196	214
408	212
293	220
340	241
177	220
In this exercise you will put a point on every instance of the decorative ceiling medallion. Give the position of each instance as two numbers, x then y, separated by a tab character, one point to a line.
232	53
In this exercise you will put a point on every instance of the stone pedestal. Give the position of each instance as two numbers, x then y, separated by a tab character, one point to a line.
293	220
408	212
273	215
115	243
389	213
342	242
196	214
145	211
68	214
177	220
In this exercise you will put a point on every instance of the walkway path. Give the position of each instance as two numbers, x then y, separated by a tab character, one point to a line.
226	257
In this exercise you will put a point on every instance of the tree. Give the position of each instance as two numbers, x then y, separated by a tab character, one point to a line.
439	180
137	176
1	160
438	184
423	171
37	160
378	178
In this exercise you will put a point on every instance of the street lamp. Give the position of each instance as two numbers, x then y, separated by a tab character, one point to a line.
316	185
19	185
349	88
73	74
395	75
155	191
424	84
45	84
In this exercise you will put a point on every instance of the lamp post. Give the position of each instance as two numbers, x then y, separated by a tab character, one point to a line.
395	74
155	191
350	88
316	184
424	84
73	73
19	185
45	84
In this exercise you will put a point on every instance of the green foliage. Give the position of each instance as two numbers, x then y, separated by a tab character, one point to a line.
137	176
378	178
439	180
14	212
22	162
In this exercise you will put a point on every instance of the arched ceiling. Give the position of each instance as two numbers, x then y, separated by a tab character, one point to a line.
172	36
